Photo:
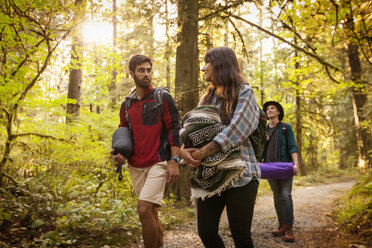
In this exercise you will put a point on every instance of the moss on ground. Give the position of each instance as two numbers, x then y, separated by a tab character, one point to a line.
354	211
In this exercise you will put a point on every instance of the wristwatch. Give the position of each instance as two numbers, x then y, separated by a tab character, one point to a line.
176	158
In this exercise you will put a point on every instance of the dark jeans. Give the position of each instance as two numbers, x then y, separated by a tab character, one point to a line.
239	204
282	190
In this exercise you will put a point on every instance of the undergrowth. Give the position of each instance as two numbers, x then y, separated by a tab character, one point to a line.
354	212
69	195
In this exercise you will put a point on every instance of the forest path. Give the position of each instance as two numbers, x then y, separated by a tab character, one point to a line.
313	227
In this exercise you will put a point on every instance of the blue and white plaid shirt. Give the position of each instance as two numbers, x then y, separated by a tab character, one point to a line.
243	123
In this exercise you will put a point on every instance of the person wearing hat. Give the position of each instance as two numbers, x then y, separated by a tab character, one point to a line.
281	147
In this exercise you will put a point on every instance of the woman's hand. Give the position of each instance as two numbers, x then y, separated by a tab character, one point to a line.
197	156
186	155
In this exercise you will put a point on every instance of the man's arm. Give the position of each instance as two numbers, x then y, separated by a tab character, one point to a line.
295	161
173	170
291	141
171	119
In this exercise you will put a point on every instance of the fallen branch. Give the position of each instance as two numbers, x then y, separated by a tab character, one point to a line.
99	186
15	136
10	178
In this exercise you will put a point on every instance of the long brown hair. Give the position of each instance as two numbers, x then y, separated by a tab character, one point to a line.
226	79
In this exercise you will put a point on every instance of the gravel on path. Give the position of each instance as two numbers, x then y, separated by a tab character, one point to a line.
312	208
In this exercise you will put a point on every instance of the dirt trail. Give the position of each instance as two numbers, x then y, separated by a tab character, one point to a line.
312	206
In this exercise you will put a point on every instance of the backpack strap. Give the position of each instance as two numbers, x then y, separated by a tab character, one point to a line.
283	127
158	97
126	107
127	103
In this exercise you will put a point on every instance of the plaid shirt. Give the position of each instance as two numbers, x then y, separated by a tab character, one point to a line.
243	123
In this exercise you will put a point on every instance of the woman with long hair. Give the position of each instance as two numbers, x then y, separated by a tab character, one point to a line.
233	183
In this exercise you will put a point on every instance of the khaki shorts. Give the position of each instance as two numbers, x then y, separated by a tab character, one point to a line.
149	183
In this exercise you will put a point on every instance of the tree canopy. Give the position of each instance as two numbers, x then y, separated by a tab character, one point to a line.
315	57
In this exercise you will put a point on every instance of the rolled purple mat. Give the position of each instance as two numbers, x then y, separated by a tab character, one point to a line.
276	170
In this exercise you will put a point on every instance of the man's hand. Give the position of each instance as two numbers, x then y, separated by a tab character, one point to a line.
295	163
295	169
185	154
172	172
118	158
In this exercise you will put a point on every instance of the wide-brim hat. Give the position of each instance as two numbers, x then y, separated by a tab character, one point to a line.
277	105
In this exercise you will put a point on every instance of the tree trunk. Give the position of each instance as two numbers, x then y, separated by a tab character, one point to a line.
301	164
149	49
312	149
8	144
359	98
187	71
262	94
112	87
167	53
75	78
187	64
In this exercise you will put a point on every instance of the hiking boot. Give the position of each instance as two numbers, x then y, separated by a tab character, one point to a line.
279	231
288	233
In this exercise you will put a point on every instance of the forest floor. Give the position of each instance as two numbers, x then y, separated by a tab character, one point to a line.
314	226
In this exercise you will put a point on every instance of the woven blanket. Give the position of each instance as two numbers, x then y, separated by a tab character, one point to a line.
215	173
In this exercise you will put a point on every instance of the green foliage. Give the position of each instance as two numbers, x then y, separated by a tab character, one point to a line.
66	207
264	188
68	193
174	212
354	213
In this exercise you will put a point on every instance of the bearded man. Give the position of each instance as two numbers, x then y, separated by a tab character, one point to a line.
156	143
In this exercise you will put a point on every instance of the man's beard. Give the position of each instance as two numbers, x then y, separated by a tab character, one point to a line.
144	84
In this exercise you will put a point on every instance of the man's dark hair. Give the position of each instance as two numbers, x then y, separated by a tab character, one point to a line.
137	60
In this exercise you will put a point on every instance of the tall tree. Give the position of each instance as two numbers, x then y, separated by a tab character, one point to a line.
359	96
299	142
167	46
30	32
187	70
187	60
262	92
112	88
75	78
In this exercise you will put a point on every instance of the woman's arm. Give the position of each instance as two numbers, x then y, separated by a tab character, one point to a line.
206	151
243	123
186	155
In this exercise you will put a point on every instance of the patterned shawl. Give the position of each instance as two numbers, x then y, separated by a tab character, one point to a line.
215	173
